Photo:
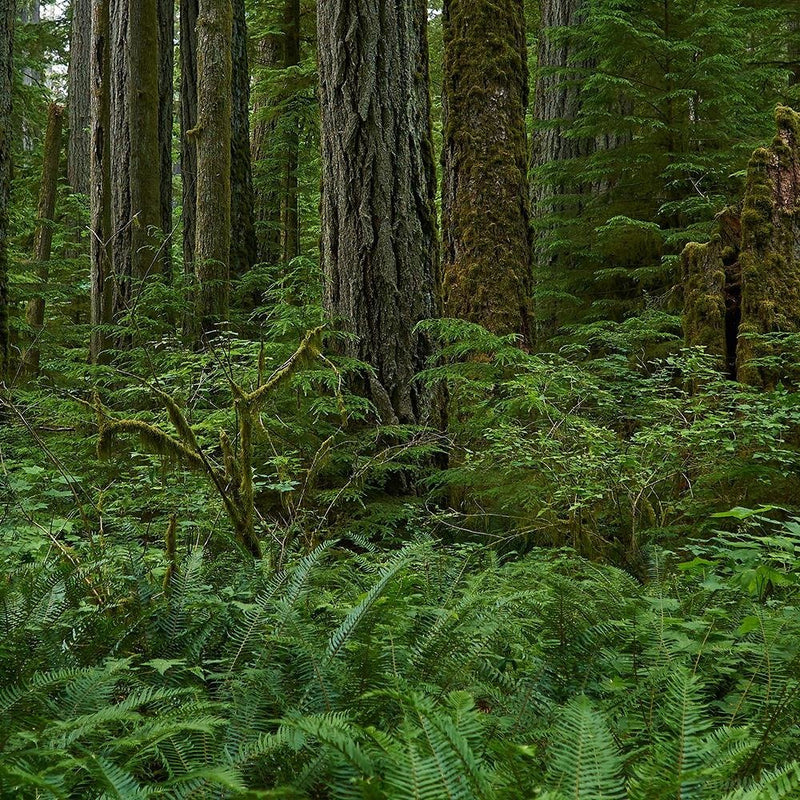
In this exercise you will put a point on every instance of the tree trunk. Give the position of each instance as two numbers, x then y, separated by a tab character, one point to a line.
7	18
213	137
291	218
243	244
188	51
79	100
745	283
266	197
43	239
100	181
166	68
485	213
379	237
794	51
135	151
557	99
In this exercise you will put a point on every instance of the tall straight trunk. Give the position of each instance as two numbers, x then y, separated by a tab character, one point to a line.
379	233
100	180
794	51
79	96
213	137
557	101
135	152
267	201
243	243
485	215
188	51
43	239
291	218
7	17
166	68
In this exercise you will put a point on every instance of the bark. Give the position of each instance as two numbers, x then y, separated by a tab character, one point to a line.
166	68
752	266
379	236
290	223
485	213
100	180
557	99
213	137
43	238
7	17
188	51
79	96
135	150
243	243
267	202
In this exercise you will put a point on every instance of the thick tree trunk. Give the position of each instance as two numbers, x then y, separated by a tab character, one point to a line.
213	137
7	18
166	68
100	181
43	239
745	283
485	213
290	223
267	197
379	237
79	99
243	243
135	150
557	100
188	51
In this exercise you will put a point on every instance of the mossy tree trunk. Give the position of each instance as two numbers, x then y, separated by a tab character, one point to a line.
485	214
101	299
379	233
79	96
7	17
243	242
213	137
43	238
745	284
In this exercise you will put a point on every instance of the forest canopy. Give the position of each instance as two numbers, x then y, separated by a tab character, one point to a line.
400	400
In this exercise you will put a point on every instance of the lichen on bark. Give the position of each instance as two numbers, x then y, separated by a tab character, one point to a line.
745	283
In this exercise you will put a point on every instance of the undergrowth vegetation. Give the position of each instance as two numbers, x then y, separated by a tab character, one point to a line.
591	592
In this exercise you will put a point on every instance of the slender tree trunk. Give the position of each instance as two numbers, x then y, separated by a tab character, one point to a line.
213	137
100	180
7	18
267	197
243	243
291	218
379	233
485	215
43	239
166	68
79	96
188	51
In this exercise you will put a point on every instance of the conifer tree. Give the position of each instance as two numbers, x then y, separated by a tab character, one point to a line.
379	237
485	214
79	96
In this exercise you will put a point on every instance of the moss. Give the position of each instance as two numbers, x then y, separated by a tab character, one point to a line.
704	296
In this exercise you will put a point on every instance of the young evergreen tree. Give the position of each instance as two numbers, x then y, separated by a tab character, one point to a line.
379	237
486	253
212	135
7	19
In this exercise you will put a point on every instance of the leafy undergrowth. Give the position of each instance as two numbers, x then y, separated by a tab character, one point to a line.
432	671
